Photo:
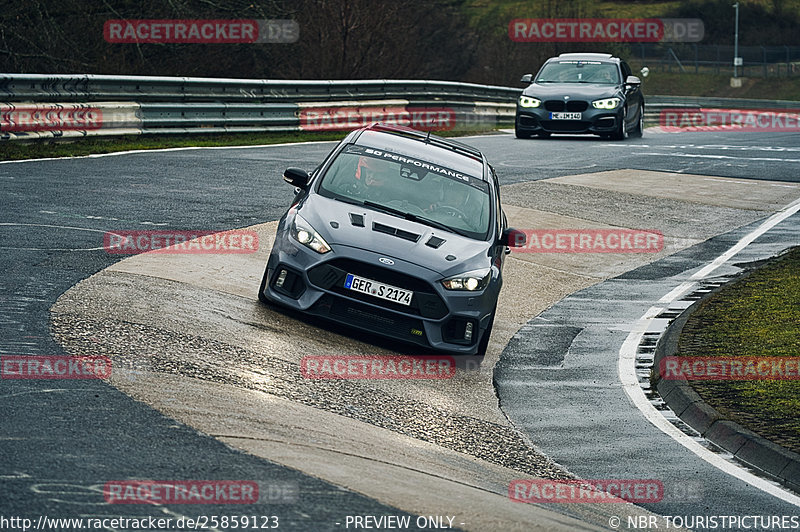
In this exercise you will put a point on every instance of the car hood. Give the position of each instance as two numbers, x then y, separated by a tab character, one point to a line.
333	221
584	91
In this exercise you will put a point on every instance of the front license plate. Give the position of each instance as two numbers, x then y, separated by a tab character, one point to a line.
376	289
565	116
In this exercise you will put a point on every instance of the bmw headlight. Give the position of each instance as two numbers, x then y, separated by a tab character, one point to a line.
527	101
305	234
470	281
608	103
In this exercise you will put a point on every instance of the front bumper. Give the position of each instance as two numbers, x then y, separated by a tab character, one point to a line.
597	121
437	319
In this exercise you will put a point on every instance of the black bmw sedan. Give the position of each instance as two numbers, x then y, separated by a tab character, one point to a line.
581	93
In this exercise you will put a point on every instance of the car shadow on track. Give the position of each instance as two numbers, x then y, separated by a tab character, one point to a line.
463	363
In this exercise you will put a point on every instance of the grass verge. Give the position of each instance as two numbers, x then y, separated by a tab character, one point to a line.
756	316
72	147
15	150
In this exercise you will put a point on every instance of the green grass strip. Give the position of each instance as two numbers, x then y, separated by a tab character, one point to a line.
757	316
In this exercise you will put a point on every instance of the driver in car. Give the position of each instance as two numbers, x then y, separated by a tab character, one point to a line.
454	204
371	176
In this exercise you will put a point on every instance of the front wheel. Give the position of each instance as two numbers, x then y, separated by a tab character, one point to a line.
621	132
264	281
640	124
520	134
485	340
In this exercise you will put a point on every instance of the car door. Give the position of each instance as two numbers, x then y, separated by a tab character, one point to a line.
632	96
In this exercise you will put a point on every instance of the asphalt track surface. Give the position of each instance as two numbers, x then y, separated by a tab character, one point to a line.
62	439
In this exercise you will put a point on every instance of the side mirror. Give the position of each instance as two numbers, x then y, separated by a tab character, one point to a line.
296	177
632	82
527	78
513	238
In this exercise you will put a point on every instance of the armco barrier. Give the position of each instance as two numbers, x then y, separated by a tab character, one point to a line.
178	105
167	105
655	104
90	87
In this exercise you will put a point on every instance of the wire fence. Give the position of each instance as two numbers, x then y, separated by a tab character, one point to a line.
757	61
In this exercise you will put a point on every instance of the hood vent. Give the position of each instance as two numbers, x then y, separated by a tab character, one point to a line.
435	242
389	230
357	219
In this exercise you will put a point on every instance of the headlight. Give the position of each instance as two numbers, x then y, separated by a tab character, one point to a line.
470	281
608	103
306	235
527	101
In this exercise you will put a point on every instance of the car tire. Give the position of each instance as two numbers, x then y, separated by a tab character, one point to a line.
640	125
520	134
484	344
621	132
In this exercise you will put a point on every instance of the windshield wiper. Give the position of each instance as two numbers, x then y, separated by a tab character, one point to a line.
347	200
414	217
434	223
384	208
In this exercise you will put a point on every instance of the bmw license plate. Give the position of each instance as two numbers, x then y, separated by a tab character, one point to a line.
376	289
565	116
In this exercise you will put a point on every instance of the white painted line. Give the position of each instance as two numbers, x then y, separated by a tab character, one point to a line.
677	292
770	222
702	156
626	367
55	227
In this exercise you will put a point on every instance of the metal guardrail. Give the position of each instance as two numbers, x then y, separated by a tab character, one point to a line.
655	104
170	105
97	88
62	106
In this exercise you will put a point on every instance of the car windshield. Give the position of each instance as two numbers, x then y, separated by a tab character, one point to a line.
579	72
411	188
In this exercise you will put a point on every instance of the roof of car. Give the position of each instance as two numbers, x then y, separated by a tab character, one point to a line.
416	143
588	55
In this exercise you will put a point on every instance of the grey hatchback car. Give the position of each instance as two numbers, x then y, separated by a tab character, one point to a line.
399	233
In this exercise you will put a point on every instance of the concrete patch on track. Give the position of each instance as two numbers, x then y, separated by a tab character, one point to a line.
189	337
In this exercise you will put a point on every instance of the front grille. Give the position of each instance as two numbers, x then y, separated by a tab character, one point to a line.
574	106
365	317
425	302
577	106
554	105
